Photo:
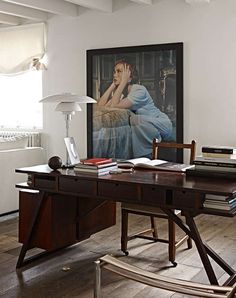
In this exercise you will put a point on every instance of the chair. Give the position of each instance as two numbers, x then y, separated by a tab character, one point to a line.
155	212
132	272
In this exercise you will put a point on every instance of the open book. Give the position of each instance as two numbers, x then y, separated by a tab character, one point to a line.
155	164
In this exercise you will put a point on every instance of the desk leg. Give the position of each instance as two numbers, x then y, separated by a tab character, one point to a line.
191	230
26	244
227	268
201	250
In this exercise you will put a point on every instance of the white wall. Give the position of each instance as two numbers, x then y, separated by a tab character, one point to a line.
208	33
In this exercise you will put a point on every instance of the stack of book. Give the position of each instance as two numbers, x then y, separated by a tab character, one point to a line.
220	203
215	161
96	166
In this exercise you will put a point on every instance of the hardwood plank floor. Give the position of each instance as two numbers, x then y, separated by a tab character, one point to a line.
46	278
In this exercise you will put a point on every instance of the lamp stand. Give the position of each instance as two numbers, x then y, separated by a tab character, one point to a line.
68	117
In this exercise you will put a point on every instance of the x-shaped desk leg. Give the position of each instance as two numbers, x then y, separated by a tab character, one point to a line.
204	250
31	230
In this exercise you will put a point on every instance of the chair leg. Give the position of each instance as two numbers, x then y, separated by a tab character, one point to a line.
124	231
154	228
172	248
97	284
189	243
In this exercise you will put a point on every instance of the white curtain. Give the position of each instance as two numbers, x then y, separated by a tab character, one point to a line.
19	46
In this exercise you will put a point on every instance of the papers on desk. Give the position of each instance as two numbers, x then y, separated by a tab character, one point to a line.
155	164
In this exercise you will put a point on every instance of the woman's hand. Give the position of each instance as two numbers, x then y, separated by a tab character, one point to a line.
125	79
104	100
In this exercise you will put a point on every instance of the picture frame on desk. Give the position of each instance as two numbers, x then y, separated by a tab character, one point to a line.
122	132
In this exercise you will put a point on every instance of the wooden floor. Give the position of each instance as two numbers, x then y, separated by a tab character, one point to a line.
46	278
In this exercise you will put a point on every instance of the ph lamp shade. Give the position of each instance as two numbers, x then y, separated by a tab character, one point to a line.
68	107
68	97
68	104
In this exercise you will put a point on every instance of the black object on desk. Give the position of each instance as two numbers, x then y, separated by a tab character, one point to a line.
210	173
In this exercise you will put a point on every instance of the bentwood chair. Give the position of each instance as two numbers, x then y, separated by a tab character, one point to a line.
155	212
115	265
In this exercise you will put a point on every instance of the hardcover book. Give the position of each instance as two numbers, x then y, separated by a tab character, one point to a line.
219	155
219	149
155	164
226	204
210	174
96	167
95	171
96	161
202	159
215	168
217	197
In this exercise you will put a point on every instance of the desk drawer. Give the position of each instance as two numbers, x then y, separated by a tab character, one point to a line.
48	182
187	199
153	194
119	190
77	185
171	198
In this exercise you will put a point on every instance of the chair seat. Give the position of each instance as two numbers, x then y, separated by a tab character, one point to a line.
176	285
150	210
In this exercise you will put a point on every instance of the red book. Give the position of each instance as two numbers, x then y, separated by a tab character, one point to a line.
96	161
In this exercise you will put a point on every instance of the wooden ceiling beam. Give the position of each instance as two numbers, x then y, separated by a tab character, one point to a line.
149	2
23	12
197	1
52	6
102	5
9	20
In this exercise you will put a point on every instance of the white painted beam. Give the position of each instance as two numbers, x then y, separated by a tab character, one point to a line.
52	6
143	1
103	5
197	1
9	20
23	12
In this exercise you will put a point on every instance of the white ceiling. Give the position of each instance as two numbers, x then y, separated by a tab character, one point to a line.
18	12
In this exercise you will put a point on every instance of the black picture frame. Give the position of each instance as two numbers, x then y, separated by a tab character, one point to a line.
160	68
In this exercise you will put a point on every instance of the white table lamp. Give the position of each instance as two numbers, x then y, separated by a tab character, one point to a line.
68	104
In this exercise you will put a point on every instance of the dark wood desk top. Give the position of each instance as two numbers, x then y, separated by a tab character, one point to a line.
172	180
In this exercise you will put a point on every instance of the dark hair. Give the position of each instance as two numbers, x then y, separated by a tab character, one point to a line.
134	72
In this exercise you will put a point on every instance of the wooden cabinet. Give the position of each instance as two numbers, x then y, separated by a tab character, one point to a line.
63	219
56	225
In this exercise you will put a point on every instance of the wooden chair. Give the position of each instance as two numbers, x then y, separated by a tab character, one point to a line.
155	212
121	268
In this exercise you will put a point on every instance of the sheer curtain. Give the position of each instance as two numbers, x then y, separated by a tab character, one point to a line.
21	49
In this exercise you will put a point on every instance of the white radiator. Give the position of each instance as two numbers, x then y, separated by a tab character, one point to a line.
34	138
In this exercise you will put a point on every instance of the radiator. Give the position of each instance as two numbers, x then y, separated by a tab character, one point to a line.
34	138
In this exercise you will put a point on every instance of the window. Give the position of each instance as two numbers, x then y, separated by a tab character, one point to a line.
19	100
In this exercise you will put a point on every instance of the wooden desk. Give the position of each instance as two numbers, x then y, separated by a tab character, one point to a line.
163	189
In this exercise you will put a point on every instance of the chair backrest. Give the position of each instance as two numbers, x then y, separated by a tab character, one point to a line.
156	145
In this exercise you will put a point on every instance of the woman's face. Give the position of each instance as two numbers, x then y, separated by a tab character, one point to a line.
117	74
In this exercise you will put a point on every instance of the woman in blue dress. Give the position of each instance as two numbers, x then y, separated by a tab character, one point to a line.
149	122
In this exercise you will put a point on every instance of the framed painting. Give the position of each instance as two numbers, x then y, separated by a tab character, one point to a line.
139	93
